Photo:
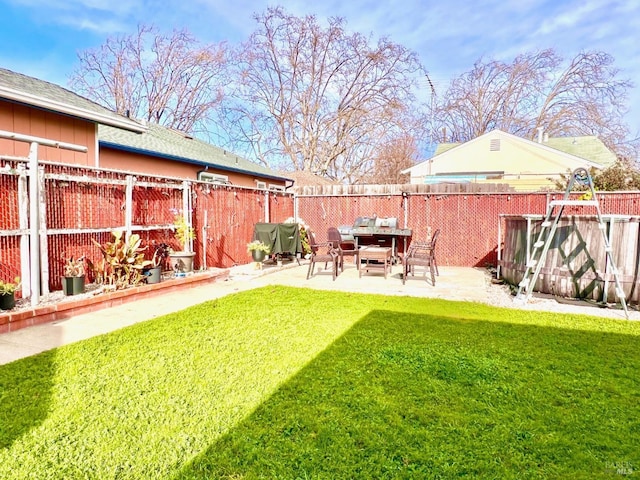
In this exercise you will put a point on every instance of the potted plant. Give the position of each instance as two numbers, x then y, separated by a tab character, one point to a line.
73	275
7	293
182	261
160	255
258	250
122	263
304	240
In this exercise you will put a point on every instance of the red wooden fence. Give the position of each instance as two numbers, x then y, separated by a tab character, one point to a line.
84	204
468	222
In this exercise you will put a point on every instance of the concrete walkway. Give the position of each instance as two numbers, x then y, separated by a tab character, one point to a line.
453	283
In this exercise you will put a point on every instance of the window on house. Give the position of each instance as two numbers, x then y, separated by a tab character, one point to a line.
494	145
262	185
277	188
213	178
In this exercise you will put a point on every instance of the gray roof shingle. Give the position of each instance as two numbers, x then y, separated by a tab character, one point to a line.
163	141
42	94
119	131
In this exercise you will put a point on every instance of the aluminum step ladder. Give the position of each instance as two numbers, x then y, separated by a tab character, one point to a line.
548	228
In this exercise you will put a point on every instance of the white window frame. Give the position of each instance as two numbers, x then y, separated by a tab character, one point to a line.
213	177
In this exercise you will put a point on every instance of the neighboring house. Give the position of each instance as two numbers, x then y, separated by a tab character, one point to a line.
500	157
308	183
304	178
29	106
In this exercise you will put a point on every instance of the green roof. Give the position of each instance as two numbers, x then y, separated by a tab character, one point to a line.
444	147
588	147
172	144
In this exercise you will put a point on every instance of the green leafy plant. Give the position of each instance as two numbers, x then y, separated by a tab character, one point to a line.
74	267
259	246
7	288
304	240
619	176
123	261
183	232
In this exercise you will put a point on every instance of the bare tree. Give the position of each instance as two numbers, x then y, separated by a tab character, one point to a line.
167	79
318	99
391	159
586	97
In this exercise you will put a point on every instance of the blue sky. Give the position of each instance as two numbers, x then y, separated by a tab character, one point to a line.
41	38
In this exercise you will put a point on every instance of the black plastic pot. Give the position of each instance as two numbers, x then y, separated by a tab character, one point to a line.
7	301
73	285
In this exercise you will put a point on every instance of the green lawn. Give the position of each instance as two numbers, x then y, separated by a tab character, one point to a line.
293	383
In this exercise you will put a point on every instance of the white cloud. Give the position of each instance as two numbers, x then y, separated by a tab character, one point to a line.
101	17
569	19
98	26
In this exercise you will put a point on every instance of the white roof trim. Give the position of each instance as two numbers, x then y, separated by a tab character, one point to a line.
115	121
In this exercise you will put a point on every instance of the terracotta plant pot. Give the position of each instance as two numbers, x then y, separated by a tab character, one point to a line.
181	262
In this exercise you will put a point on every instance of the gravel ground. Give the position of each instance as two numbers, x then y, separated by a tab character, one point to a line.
500	296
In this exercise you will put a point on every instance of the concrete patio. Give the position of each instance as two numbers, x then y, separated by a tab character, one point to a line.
454	283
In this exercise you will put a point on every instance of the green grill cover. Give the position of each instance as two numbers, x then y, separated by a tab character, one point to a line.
281	237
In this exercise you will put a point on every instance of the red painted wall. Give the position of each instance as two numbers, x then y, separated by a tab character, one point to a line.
24	120
131	162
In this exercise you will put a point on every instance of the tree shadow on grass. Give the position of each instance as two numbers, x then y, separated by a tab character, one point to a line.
25	392
414	396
